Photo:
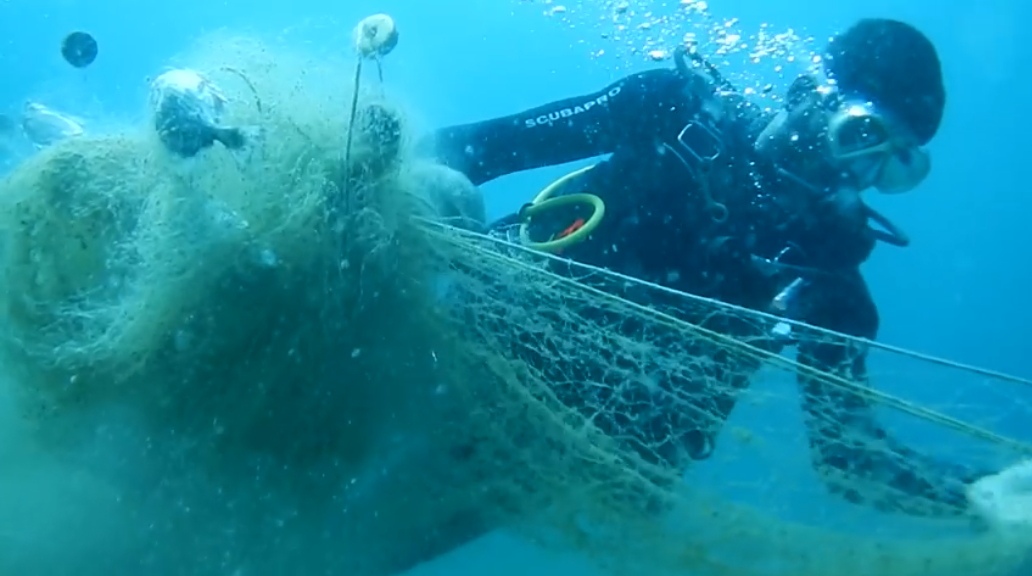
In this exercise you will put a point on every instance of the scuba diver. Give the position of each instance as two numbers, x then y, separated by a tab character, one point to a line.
707	193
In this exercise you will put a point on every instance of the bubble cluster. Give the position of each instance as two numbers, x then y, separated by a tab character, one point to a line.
627	34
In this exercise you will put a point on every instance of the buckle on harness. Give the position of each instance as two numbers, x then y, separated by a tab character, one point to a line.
703	146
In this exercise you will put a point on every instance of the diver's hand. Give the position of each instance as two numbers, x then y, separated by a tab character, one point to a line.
1004	500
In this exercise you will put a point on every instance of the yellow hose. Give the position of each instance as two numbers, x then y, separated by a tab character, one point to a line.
543	202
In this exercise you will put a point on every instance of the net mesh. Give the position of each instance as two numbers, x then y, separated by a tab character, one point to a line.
202	354
592	429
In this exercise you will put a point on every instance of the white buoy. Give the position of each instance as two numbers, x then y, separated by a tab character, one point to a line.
375	36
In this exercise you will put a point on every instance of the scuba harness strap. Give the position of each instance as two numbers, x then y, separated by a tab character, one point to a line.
700	143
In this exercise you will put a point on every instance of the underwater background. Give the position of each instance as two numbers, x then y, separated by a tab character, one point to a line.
960	291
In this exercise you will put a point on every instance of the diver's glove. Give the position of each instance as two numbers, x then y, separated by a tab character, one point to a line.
1004	500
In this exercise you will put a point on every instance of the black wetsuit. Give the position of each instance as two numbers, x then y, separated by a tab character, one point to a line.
660	227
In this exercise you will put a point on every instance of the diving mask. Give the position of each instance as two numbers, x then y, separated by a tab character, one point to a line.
876	150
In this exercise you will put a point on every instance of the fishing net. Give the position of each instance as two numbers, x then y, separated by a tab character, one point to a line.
213	349
292	365
129	276
566	361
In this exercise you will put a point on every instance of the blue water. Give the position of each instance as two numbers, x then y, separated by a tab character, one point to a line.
960	291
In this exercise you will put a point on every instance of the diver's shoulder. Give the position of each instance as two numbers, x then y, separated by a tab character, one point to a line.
655	78
658	86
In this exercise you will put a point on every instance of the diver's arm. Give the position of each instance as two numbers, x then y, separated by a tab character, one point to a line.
628	110
853	454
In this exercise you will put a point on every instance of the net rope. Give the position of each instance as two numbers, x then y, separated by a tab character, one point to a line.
693	330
